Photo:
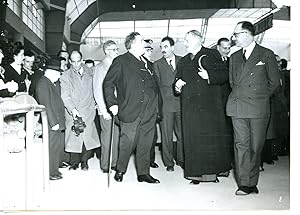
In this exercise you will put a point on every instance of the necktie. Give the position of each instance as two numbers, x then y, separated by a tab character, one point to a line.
170	63
244	55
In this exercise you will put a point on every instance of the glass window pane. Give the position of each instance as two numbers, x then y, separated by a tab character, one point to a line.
34	11
34	29
24	8
11	4
70	6
152	29
29	15
24	18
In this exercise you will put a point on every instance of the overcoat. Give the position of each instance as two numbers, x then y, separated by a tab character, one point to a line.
48	94
207	132
77	92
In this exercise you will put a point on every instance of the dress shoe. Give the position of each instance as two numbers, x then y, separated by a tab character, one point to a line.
170	168
245	190
254	189
154	165
148	178
119	176
73	167
55	177
63	165
195	182
270	162
84	166
114	168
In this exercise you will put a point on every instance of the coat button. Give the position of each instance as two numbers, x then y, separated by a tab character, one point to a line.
143	80
142	101
251	73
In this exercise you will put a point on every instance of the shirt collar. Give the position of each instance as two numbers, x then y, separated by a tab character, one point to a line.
171	58
249	49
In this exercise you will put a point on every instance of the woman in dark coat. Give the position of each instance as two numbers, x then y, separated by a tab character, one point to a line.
207	131
14	71
7	89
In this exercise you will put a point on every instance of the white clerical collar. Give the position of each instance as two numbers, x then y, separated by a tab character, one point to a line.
249	49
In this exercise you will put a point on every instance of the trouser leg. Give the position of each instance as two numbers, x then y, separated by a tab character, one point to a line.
152	151
127	144
258	134
167	126
249	137
179	142
106	141
56	139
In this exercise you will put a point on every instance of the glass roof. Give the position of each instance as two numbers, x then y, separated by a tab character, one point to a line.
221	24
75	8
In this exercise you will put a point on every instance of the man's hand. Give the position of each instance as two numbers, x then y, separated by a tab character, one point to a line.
75	113
106	116
114	109
203	73
55	127
179	84
12	86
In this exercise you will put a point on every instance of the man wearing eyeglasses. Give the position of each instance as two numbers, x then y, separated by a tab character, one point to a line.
253	76
111	51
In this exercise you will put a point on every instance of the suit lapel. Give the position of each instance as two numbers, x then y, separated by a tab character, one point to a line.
167	66
252	60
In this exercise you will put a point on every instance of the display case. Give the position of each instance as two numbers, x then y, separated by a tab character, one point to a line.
24	154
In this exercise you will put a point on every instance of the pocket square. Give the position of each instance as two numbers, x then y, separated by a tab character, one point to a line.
260	63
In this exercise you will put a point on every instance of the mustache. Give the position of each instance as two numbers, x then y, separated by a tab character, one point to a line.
163	52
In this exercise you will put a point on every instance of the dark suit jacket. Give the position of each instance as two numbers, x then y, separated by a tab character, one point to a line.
4	92
34	78
166	78
48	94
11	74
252	83
130	77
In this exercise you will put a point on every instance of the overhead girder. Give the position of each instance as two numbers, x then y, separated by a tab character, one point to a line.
123	10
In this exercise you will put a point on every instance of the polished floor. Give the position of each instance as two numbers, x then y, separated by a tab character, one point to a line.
88	191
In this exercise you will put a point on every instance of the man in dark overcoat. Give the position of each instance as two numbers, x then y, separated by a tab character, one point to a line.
136	106
207	135
47	93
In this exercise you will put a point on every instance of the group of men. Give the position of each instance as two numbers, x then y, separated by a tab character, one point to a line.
214	107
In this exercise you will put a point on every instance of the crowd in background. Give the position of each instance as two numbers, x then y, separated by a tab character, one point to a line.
187	96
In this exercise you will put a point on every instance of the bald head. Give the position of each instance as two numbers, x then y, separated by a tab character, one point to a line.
76	59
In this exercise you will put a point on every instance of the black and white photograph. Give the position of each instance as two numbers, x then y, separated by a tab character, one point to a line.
148	106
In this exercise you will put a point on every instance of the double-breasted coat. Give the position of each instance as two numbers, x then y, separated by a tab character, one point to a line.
252	83
77	92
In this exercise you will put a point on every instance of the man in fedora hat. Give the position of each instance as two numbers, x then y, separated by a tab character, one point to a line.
48	94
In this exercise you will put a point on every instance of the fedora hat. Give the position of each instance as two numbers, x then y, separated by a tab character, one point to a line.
54	63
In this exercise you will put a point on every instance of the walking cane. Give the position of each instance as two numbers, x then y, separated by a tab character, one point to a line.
110	149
